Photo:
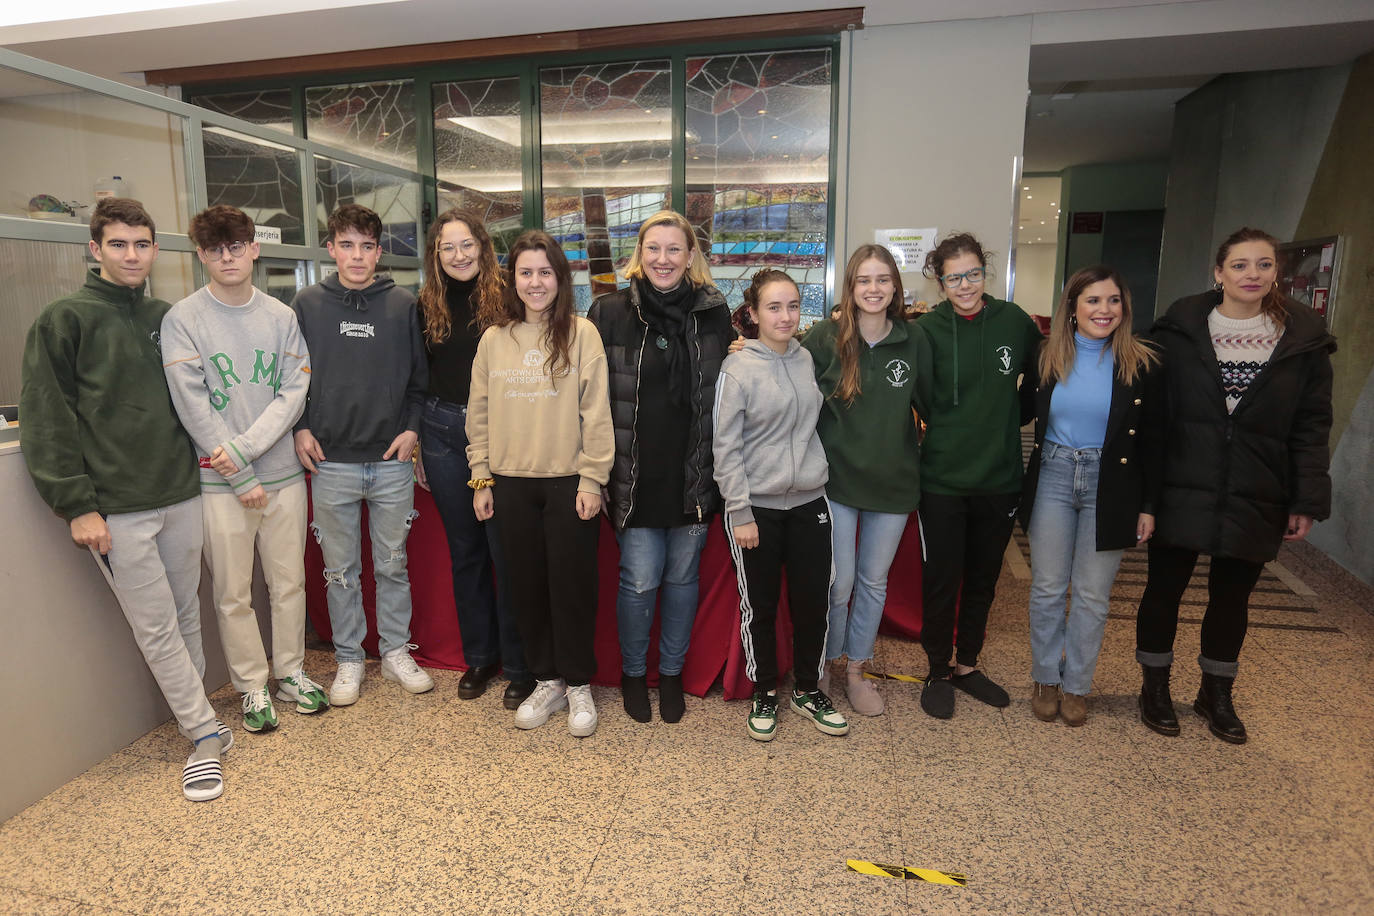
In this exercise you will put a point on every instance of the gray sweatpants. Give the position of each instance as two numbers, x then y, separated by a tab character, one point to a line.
154	570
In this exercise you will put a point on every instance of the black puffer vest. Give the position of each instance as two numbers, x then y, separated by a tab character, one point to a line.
623	334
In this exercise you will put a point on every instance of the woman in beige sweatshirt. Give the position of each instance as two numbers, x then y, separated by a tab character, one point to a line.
540	445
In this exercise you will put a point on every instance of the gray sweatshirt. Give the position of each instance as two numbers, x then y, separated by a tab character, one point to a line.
766	448
238	377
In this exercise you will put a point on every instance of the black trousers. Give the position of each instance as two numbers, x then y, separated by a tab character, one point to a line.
797	540
965	538
551	564
1229	584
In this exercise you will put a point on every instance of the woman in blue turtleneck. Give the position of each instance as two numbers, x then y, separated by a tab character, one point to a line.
1091	485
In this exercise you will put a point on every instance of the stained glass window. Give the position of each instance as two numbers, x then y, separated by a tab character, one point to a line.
268	107
477	146
392	198
758	166
376	120
261	179
605	148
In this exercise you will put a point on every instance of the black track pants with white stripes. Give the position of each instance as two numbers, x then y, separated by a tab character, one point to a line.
797	540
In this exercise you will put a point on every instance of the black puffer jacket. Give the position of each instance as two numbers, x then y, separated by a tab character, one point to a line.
1232	480
623	334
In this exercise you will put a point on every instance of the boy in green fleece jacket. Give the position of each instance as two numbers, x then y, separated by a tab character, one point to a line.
983	353
107	453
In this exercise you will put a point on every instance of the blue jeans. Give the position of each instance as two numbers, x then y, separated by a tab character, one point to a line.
1063	544
490	635
338	490
865	544
654	560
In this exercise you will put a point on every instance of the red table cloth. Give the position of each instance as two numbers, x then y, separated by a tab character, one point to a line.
716	650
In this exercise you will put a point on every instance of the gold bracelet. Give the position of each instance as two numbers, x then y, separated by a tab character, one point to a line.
481	483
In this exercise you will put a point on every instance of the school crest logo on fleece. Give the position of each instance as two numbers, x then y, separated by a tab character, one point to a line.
1004	360
898	371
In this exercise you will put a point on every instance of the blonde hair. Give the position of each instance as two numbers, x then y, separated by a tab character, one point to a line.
698	271
1133	355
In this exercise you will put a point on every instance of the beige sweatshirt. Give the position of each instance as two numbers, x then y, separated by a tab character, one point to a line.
524	423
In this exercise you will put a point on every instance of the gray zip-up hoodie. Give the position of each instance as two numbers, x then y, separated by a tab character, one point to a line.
766	449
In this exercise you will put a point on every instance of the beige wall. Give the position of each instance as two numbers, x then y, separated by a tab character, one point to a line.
76	686
1035	290
907	166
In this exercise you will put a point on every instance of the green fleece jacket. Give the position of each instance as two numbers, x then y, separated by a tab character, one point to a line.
871	444
973	441
98	429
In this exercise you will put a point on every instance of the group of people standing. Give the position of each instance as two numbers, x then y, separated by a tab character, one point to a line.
156	430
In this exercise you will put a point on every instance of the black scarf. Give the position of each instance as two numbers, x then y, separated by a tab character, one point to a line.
666	316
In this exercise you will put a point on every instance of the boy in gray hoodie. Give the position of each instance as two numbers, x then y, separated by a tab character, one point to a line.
238	371
771	470
356	438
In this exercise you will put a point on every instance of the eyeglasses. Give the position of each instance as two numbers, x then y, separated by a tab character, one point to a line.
972	276
233	250
468	248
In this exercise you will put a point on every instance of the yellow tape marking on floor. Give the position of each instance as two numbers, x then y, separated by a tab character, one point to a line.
952	879
906	678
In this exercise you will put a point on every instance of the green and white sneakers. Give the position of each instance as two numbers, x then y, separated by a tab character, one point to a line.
815	706
258	714
308	696
763	716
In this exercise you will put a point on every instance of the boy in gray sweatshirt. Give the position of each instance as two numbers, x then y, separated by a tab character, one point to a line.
238	370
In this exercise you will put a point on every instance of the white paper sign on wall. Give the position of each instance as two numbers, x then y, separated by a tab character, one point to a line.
909	247
270	234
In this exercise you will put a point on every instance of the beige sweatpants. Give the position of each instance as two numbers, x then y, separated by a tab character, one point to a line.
279	533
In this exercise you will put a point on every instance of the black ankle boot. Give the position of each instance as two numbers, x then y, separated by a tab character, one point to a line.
1156	706
671	704
635	691
1213	703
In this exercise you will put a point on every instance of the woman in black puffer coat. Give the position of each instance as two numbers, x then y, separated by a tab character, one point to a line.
1247	374
665	337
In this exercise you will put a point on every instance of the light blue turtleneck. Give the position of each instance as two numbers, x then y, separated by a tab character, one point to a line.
1080	403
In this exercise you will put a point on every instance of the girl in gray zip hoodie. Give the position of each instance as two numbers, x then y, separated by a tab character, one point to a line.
771	470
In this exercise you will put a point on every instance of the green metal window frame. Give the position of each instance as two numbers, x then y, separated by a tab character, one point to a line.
527	70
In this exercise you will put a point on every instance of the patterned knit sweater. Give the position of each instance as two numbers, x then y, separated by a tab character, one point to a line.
1243	347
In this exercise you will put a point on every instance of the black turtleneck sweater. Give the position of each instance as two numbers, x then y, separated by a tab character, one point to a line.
450	360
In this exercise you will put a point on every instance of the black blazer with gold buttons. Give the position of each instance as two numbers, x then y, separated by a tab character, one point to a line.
1132	451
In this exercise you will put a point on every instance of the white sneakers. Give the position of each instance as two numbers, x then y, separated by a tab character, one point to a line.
397	665
348	681
548	697
551	696
581	711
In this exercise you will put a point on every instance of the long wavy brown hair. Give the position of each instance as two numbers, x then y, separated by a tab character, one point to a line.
1133	355
847	337
1272	304
558	330
433	294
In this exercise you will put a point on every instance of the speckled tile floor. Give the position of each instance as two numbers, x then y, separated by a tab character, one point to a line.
432	804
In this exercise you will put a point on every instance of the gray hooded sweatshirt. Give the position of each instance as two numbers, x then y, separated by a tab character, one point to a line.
766	448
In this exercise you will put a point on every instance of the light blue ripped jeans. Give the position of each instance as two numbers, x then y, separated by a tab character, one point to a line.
1063	545
338	491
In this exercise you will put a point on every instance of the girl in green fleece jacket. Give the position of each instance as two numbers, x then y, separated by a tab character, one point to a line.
873	368
984	366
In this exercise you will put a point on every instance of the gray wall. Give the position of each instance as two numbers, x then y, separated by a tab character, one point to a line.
903	169
1245	150
76	687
